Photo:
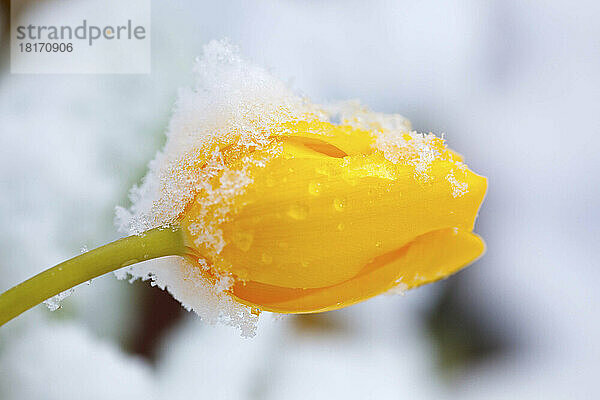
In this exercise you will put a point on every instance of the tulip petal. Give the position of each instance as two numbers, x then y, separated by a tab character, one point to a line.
430	257
349	140
363	206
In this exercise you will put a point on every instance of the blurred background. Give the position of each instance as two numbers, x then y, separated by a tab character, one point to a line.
514	85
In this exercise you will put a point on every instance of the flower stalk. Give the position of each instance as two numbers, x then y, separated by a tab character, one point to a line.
155	243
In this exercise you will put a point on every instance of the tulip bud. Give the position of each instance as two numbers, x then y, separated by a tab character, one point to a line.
266	204
323	216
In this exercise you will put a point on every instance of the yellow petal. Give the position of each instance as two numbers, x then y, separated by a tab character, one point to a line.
428	258
310	220
349	140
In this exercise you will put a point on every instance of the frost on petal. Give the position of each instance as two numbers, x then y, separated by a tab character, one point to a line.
232	102
394	137
399	289
459	188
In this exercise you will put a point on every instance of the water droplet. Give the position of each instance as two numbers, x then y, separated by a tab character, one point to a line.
339	204
314	188
378	244
351	181
305	263
298	211
267	258
242	274
243	240
322	170
341	227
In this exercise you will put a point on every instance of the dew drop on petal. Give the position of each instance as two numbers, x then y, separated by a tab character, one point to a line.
266	258
339	204
314	188
298	211
243	240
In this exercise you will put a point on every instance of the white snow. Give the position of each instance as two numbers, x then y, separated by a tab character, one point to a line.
232	102
53	303
459	188
62	361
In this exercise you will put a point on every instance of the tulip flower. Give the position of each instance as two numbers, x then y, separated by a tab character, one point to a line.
275	208
330	221
328	216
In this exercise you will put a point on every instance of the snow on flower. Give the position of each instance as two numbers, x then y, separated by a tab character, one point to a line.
262	182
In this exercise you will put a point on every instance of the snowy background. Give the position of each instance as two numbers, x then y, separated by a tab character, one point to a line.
514	85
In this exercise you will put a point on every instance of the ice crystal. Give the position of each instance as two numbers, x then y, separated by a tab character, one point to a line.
412	148
459	189
399	289
232	102
53	303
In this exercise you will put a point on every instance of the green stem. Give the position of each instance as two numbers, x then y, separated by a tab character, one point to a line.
154	243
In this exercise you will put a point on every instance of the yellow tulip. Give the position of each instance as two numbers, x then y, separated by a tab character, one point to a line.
327	216
313	218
